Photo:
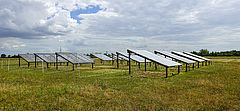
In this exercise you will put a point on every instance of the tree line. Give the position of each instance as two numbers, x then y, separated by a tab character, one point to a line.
205	52
202	52
9	56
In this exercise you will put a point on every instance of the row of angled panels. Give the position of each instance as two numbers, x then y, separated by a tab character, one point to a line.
77	58
102	57
133	57
74	58
182	57
155	58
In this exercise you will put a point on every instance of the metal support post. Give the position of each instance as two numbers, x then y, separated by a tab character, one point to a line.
56	61
8	63
166	72
35	61
198	64
129	59
112	59
42	67
155	66
186	67
117	61
19	62
145	64
178	69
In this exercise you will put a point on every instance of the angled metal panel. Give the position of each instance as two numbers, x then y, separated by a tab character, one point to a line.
133	57
75	58
187	56
120	58
30	58
178	58
102	57
155	58
49	57
194	55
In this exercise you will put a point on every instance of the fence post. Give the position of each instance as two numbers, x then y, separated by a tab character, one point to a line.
42	67
8	64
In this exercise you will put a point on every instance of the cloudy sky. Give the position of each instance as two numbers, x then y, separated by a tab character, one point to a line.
89	26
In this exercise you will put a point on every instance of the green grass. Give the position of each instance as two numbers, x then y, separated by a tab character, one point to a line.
193	90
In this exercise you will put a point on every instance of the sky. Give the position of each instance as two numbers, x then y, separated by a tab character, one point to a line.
90	26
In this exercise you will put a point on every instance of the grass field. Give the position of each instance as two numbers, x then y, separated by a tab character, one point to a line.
214	87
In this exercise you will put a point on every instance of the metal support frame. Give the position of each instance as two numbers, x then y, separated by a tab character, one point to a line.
155	66
73	67
166	72
56	61
156	52
145	64
35	60
186	67
112	59
117	61
129	57
178	69
129	52
19	62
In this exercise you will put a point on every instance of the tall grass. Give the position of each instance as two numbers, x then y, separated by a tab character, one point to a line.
193	90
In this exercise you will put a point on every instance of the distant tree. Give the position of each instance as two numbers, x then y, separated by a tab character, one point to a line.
9	56
204	52
3	56
15	56
194	52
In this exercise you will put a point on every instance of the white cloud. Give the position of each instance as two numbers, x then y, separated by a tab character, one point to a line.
165	24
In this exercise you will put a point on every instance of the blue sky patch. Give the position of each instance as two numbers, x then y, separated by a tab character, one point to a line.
51	16
74	14
89	10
